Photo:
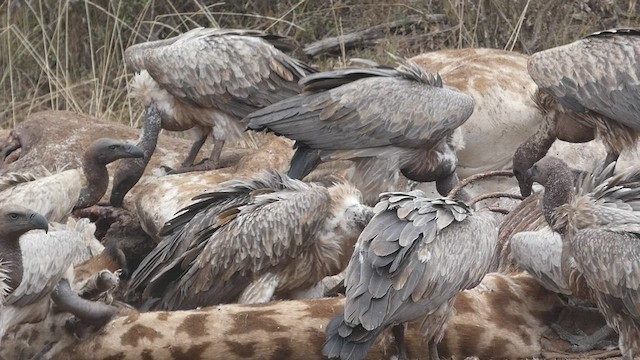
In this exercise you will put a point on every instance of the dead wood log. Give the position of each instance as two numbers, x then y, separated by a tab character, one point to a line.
365	37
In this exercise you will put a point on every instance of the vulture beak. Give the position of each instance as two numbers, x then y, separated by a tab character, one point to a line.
133	151
525	183
38	221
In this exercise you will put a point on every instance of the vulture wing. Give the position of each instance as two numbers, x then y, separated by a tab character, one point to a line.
367	108
599	73
610	262
540	253
236	71
415	250
52	196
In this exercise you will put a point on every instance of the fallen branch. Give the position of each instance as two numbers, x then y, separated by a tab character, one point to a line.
365	37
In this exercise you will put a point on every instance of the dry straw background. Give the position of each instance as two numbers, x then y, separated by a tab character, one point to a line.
67	55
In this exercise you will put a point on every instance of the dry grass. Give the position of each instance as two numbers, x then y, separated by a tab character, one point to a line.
68	54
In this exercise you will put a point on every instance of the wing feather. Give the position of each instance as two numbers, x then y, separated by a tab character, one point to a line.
424	270
235	71
610	262
597	73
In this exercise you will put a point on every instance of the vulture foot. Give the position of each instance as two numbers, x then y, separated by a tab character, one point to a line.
582	342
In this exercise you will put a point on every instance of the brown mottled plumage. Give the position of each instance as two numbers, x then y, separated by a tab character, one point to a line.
600	231
588	88
410	262
56	195
383	119
247	241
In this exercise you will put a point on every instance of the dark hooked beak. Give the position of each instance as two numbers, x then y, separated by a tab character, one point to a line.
525	183
133	151
38	221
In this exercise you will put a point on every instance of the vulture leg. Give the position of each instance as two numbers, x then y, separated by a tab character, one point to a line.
195	149
398	334
582	342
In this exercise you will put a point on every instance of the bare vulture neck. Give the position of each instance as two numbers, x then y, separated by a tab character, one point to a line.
557	191
11	257
96	181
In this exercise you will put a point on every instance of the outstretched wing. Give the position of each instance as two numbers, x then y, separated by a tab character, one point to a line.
415	251
598	73
610	262
235	71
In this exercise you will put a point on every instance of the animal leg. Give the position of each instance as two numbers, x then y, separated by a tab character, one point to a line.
582	342
195	149
398	334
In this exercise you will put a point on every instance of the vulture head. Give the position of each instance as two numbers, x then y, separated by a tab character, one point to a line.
558	180
106	151
16	220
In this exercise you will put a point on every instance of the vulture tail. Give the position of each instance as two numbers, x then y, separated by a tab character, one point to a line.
303	162
347	343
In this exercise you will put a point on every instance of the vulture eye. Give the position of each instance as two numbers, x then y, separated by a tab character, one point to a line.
113	147
13	216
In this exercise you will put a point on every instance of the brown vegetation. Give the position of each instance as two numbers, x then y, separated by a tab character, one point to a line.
67	55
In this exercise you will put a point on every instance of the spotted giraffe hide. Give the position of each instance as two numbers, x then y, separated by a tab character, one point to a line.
504	317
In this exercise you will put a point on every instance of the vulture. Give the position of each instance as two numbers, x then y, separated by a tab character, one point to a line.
56	196
410	262
383	119
15	221
248	241
599	231
207	80
47	270
587	89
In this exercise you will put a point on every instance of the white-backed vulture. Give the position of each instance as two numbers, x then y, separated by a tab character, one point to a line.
588	88
46	259
15	221
248	241
410	262
207	80
56	195
600	231
382	118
